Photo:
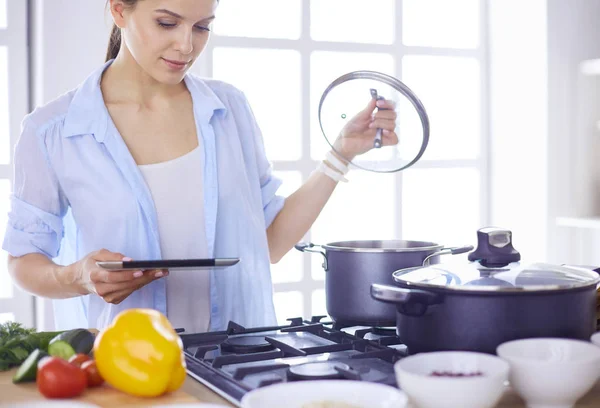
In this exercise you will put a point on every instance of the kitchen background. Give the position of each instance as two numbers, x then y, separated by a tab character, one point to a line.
509	86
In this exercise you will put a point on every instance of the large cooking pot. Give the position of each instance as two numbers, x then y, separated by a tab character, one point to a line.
353	266
491	300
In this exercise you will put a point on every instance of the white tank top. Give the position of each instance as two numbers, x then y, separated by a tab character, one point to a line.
177	190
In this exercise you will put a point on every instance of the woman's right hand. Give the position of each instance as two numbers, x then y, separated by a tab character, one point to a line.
113	286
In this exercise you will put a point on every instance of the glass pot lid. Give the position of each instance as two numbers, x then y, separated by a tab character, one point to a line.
351	93
512	278
495	267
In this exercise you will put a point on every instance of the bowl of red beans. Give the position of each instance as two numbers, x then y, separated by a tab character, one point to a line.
452	379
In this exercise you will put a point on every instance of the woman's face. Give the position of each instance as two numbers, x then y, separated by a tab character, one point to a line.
165	36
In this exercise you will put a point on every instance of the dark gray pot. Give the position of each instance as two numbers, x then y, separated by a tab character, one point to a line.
353	266
435	320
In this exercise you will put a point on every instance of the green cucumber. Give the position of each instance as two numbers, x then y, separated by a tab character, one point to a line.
71	342
27	372
61	349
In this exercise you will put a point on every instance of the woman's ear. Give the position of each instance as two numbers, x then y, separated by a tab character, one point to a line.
117	7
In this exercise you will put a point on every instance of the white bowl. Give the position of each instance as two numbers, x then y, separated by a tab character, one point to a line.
301	394
189	405
414	375
596	339
550	372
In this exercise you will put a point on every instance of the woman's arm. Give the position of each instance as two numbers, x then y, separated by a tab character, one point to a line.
38	275
302	208
298	214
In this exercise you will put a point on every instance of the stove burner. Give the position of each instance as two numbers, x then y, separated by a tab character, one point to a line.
318	371
234	361
340	324
384	331
246	345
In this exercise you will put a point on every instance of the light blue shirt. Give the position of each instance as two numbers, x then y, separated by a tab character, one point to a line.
77	189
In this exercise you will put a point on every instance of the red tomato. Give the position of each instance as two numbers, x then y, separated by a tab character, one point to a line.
79	359
94	378
57	378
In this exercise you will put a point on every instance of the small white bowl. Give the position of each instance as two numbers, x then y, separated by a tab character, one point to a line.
414	376
596	339
549	372
300	394
189	405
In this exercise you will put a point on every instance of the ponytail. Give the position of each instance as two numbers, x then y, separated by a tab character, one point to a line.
114	43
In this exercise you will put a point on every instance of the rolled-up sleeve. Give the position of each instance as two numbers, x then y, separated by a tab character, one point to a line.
269	183
35	220
272	203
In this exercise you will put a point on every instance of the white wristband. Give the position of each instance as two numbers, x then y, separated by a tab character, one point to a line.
331	173
337	163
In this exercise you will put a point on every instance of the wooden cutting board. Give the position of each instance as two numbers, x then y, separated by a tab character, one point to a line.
105	396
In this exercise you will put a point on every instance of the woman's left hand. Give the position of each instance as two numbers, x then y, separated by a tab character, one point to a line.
358	134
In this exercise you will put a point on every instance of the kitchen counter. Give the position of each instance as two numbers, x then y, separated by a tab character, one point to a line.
105	396
192	391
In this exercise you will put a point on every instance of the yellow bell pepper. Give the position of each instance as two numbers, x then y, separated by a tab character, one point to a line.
141	354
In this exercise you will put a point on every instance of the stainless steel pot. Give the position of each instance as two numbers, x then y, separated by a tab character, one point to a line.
494	299
353	266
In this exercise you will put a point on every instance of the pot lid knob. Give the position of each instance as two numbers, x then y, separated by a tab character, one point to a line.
494	248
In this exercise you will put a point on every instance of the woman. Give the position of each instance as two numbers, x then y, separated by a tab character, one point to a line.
149	162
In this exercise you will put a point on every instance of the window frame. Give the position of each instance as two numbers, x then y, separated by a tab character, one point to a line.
306	165
16	37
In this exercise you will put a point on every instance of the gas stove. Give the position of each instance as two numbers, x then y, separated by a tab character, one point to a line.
237	360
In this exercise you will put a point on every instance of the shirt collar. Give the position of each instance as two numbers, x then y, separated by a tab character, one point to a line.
205	101
87	113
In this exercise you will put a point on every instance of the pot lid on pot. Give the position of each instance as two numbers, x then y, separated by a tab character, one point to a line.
350	94
514	277
495	267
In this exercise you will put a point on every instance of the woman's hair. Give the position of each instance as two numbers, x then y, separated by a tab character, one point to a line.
114	42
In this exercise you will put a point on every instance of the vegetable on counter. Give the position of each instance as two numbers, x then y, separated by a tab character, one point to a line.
57	378
28	370
141	354
94	379
17	342
71	342
60	344
79	359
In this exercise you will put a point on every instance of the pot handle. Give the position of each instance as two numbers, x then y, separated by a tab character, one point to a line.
448	251
310	247
410	302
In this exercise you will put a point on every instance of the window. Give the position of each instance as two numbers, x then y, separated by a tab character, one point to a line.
283	57
3	14
14	304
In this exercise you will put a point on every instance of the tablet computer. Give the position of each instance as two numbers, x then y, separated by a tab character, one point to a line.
169	264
